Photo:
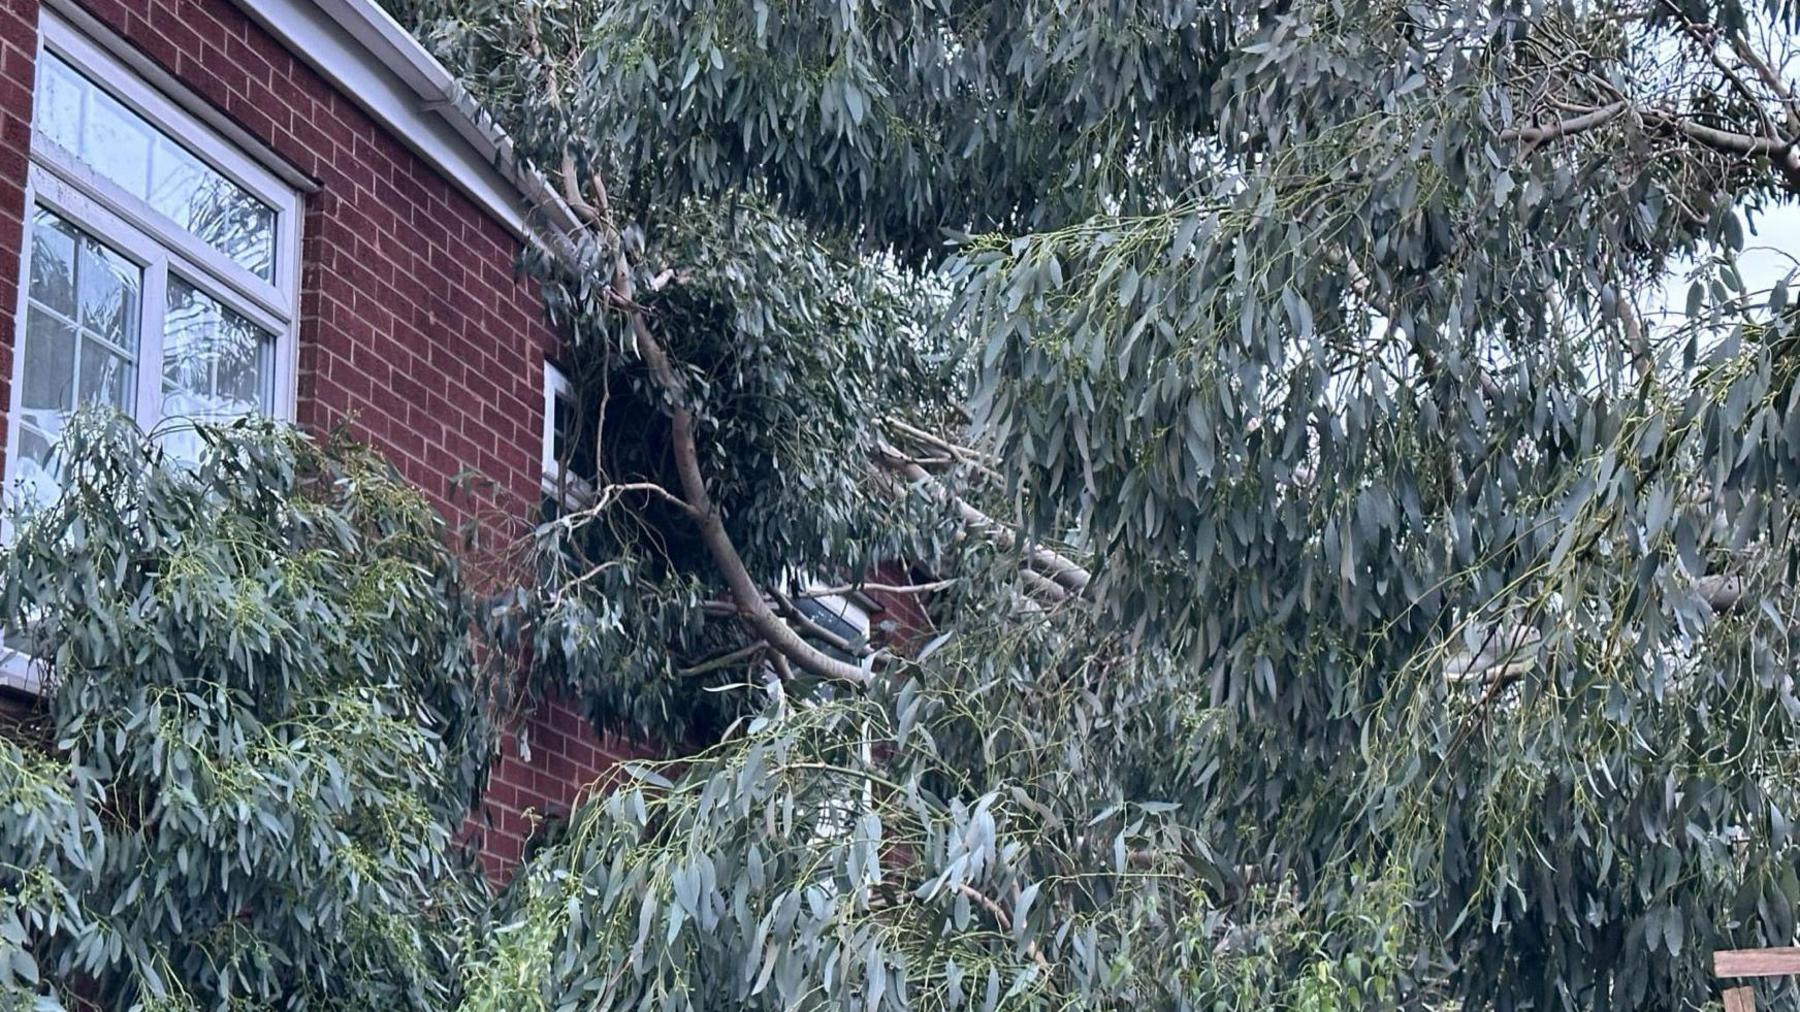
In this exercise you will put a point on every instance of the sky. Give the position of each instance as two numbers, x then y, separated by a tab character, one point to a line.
1770	253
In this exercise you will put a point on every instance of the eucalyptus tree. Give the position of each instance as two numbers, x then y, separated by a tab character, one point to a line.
262	722
1344	590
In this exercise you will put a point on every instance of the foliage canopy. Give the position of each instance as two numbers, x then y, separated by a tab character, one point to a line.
1357	594
261	727
1344	590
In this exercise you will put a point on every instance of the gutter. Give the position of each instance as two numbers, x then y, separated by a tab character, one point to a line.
423	105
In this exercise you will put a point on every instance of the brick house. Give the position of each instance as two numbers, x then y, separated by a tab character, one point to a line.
211	207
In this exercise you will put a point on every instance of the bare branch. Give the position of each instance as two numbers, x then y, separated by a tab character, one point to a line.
1781	152
887	588
751	607
1536	135
1064	572
982	462
725	660
1790	107
610	494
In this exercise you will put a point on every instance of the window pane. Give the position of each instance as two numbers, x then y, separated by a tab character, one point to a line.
33	473
116	143
106	376
216	364
53	264
106	287
126	149
81	340
573	437
49	363
213	208
59	94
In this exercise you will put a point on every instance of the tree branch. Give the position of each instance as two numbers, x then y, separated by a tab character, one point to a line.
887	588
1064	572
1781	152
744	591
974	458
1508	653
815	630
725	660
1790	108
752	609
1536	135
1000	915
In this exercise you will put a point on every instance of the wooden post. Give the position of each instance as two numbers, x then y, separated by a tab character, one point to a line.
1740	999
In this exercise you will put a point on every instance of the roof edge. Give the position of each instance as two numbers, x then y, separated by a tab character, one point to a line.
379	65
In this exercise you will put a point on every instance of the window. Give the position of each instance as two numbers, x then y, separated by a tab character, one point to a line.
159	273
838	615
161	265
569	459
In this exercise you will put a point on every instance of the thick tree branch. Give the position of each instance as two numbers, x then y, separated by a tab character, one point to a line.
974	458
1789	107
751	607
1536	135
1781	152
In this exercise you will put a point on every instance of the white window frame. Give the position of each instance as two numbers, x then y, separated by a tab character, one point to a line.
58	181
568	490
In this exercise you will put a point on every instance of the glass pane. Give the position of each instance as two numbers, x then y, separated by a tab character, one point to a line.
59	93
116	143
216	363
574	438
213	208
80	292
49	363
106	376
53	264
125	148
106	287
33	473
33	446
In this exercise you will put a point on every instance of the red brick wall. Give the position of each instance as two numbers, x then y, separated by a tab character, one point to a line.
415	331
911	625
566	762
18	59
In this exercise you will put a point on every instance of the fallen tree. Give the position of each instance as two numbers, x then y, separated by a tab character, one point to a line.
1351	593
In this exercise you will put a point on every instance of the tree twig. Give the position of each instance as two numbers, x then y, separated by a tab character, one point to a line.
1005	921
725	660
886	588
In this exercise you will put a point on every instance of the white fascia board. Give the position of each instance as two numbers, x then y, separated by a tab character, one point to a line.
361	50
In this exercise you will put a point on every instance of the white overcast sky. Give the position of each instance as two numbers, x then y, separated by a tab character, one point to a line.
1770	253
